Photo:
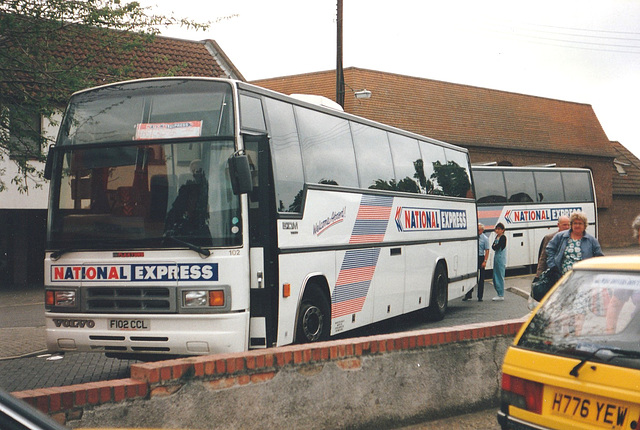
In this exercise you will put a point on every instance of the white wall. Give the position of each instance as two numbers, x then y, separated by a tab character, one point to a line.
38	189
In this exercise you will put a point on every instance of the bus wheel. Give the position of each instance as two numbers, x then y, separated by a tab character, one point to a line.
313	319
439	294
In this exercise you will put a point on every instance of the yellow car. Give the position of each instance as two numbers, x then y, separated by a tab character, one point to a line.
576	362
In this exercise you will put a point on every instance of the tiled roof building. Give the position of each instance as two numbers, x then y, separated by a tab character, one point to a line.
461	114
163	56
496	126
626	190
150	56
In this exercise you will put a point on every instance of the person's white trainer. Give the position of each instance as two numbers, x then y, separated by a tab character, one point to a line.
498	299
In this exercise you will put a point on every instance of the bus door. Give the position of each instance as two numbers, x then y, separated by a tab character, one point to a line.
262	244
518	252
388	283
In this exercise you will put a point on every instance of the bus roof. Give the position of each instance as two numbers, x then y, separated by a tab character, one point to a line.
532	168
288	98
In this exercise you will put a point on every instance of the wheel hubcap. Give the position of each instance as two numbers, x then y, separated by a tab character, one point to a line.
312	323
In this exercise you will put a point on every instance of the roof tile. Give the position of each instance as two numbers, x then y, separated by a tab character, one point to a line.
461	114
155	56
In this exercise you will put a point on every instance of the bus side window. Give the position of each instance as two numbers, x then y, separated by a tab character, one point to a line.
489	186
549	187
577	187
251	115
458	183
406	163
373	156
432	156
327	150
520	187
286	157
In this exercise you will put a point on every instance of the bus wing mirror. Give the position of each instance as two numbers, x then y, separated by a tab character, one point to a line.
240	173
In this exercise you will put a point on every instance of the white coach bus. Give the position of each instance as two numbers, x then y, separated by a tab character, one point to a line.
529	201
197	216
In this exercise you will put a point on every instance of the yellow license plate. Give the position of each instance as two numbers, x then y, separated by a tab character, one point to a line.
597	411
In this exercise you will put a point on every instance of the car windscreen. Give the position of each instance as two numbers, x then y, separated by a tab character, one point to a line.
594	314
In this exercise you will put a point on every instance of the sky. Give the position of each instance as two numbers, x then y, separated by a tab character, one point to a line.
583	51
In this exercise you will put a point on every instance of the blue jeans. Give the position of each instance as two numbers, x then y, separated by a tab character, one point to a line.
499	266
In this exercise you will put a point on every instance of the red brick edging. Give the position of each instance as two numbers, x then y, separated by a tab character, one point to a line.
228	370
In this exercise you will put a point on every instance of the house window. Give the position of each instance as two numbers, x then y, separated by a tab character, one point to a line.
26	134
620	167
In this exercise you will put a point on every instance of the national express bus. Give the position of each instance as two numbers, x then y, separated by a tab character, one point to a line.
196	215
529	201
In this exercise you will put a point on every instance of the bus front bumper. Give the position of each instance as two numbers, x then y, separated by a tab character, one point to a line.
193	334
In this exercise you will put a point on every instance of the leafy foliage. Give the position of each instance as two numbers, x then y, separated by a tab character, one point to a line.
52	48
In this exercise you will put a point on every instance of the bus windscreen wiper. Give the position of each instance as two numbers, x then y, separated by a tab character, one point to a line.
612	353
59	253
191	246
97	245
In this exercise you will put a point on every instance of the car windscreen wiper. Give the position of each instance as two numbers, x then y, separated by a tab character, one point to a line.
191	246
612	353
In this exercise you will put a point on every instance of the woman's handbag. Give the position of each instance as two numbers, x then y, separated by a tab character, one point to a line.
541	286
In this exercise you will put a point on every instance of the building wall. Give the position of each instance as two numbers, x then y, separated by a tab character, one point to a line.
22	245
23	221
614	223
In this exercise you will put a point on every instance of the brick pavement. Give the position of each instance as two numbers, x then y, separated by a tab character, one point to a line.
21	339
35	372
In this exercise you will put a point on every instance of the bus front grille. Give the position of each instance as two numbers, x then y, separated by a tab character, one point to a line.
124	300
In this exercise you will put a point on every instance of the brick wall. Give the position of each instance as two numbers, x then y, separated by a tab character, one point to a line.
85	403
615	222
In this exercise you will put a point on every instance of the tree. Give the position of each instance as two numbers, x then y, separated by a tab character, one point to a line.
42	64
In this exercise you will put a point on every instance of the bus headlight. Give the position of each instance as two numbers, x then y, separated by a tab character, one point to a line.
203	298
194	299
62	298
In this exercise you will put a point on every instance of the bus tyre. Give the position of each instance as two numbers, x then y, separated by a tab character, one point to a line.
439	294
313	319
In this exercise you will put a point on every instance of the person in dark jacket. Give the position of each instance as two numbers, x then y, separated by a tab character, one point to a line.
483	256
563	224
